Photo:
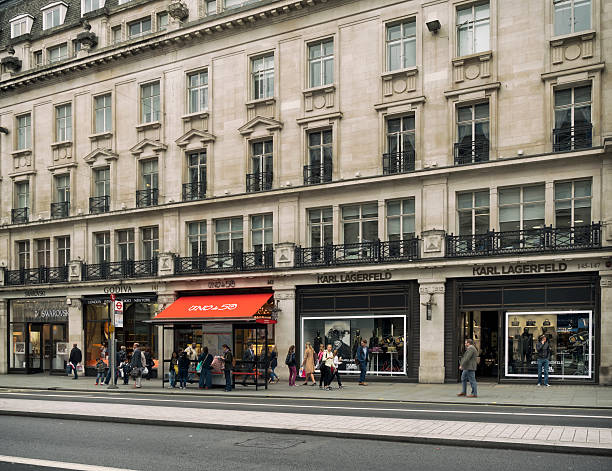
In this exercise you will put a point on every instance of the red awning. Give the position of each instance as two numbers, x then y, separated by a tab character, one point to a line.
205	308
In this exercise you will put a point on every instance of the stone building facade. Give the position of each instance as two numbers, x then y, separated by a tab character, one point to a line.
408	172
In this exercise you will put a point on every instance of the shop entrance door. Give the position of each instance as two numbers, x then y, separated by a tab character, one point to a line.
484	328
34	349
252	366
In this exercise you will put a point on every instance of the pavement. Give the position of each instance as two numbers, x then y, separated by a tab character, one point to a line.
574	396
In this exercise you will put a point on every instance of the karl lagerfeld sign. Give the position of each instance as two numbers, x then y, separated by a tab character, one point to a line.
519	269
354	277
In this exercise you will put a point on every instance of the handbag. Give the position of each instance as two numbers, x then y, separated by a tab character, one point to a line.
515	322
176	369
530	323
199	367
69	369
546	323
145	371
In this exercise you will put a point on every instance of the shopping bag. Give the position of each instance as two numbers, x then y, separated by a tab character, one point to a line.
69	369
199	367
302	374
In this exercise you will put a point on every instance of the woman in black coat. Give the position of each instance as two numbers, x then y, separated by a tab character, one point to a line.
183	369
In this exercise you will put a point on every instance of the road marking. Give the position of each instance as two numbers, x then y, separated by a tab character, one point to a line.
58	464
181	400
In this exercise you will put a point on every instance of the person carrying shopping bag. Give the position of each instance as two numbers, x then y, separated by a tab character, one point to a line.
308	364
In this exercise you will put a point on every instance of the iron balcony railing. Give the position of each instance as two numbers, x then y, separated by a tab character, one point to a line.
19	215
34	276
147	197
99	204
118	270
545	239
258	181
60	210
471	152
572	138
398	162
315	174
194	191
224	262
364	252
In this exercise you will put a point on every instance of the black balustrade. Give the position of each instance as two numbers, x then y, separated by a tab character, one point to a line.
572	138
471	152
60	210
258	181
315	174
147	197
398	162
119	270
99	204
194	191
224	262
19	215
33	276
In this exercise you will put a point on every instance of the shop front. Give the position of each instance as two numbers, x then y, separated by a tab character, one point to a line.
506	317
385	315
239	320
38	335
138	309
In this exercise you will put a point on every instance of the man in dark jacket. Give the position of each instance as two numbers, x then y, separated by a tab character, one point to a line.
468	365
543	356
228	358
362	357
137	363
75	358
248	359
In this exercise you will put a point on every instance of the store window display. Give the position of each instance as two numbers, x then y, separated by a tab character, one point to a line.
384	334
569	335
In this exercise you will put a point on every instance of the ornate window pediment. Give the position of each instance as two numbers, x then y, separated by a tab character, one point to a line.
104	156
194	135
268	124
142	147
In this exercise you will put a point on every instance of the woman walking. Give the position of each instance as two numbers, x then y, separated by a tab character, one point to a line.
320	365
173	371
206	369
273	365
183	369
308	364
292	364
337	365
328	365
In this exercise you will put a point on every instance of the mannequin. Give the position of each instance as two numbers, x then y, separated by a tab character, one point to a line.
356	342
526	346
318	341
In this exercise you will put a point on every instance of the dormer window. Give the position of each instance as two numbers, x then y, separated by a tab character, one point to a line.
54	14
21	24
91	5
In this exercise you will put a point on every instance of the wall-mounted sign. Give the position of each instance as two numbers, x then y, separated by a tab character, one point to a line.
39	310
117	289
519	269
35	293
354	277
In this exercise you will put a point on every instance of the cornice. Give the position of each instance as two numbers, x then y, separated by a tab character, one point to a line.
199	30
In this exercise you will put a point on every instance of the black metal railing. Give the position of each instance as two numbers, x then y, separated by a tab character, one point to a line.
148	197
99	204
315	174
471	152
545	239
364	252
194	191
572	138
19	215
118	270
33	276
60	210
224	262
258	181
398	162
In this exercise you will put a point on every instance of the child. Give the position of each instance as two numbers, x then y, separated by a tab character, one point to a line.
125	369
101	369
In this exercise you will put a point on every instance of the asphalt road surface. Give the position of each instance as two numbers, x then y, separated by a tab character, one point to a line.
462	412
152	448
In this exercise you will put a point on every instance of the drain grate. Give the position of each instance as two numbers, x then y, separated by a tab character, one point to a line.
275	443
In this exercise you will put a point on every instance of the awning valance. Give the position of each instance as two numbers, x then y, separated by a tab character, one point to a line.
215	307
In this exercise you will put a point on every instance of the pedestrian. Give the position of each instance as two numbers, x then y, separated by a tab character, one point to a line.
468	364
308	364
228	363
543	357
122	354
100	370
248	364
74	359
126	368
206	370
328	367
108	373
149	363
173	370
183	369
292	364
273	364
319	364
337	366
362	359
137	364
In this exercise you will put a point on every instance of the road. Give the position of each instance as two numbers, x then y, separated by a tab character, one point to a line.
152	448
580	417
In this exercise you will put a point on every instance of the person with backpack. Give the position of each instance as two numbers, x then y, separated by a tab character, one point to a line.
292	364
228	364
206	369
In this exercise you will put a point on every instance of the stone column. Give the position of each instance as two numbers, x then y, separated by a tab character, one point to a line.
3	336
431	368
605	361
285	329
76	332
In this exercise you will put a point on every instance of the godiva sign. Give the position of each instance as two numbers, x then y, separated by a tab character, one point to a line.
519	269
